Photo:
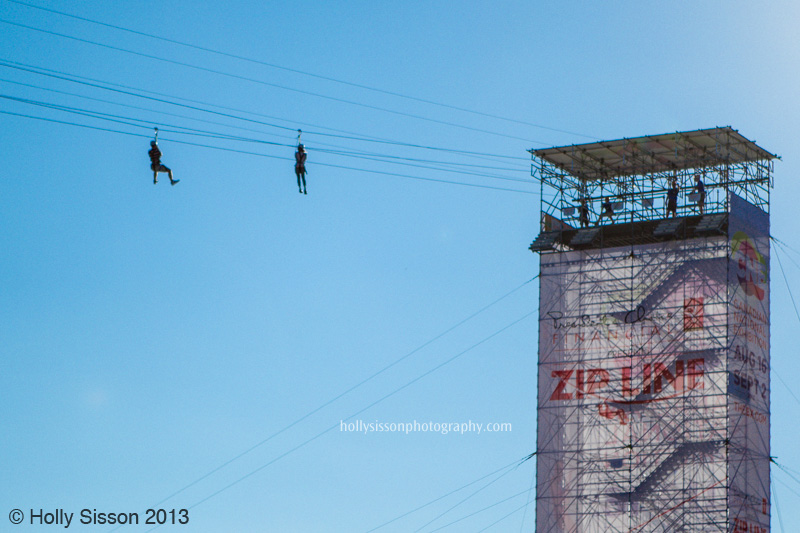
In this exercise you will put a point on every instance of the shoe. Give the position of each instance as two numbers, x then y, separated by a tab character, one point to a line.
300	191
155	182
305	192
173	182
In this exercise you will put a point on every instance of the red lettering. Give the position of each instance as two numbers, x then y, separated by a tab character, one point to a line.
694	370
560	393
598	378
743	526
577	383
646	379
610	413
626	383
693	311
662	372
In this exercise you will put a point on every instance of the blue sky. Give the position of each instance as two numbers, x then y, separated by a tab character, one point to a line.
151	334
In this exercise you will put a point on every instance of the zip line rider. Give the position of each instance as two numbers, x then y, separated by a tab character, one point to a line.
155	162
300	166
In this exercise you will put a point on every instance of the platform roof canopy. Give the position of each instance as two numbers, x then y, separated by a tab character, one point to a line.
654	154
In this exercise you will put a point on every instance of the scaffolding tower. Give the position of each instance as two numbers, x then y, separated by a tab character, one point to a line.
653	398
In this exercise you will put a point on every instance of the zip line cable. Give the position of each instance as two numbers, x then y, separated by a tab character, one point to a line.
321	164
304	73
526	168
381	157
349	390
61	75
130	121
343	151
94	83
368	171
77	125
405	162
420	146
43	71
287	128
392	174
268	84
205	133
331	165
140	108
375	156
467	153
374	403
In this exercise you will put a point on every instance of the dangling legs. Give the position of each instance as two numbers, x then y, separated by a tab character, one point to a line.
162	168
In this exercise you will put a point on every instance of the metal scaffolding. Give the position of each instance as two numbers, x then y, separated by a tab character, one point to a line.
635	174
653	405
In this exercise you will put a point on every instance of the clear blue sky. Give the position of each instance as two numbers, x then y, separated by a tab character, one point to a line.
151	334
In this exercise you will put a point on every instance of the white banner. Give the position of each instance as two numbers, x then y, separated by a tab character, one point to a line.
633	381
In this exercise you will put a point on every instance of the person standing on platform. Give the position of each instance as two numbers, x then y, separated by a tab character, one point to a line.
672	198
608	210
583	213
700	187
